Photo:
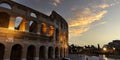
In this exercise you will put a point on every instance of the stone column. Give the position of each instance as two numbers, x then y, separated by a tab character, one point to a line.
7	52
59	53
12	23
46	53
24	53
27	25
53	53
38	30
37	53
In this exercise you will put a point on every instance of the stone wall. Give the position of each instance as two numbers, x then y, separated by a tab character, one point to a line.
30	35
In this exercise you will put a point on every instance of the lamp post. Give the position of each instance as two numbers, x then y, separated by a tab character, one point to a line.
104	50
113	50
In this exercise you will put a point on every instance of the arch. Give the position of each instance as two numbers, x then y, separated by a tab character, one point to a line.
61	36
33	26
61	52
64	52
16	52
5	5
50	52
43	28
20	23
2	50
31	52
57	34
64	36
51	30
33	15
42	52
56	52
4	19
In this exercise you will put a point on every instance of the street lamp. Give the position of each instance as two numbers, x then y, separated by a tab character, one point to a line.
113	50
104	49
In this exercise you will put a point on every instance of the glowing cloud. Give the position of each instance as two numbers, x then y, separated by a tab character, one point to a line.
86	20
103	6
81	21
56	2
78	31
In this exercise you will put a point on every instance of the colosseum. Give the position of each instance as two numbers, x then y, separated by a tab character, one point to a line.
27	34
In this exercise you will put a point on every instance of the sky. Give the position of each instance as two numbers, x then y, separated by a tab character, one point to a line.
91	22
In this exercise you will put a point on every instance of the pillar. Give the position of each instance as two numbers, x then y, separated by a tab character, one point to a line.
58	52
27	26
12	22
37	53
53	53
24	54
7	52
46	53
38	29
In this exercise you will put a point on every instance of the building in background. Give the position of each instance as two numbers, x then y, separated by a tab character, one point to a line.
30	35
113	47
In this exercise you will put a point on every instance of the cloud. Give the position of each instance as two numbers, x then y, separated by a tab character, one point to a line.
101	23
78	31
56	2
82	19
86	18
103	6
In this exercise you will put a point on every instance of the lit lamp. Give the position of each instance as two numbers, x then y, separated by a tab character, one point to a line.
113	48
104	49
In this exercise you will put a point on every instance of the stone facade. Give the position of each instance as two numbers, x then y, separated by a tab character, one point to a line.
26	34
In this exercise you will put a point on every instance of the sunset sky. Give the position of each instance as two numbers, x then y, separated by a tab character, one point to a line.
91	22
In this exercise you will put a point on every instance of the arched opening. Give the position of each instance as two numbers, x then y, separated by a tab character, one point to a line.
51	31
61	52
56	52
43	28
57	34
5	5
31	52
16	52
4	19
42	52
33	15
2	50
20	23
33	26
61	36
64	36
50	52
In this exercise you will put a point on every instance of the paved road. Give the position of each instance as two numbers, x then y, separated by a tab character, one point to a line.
83	57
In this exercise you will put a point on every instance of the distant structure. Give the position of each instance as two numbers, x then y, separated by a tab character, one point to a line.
113	47
26	34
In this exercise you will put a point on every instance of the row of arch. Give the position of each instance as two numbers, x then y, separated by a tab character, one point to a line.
17	49
20	24
32	14
8	6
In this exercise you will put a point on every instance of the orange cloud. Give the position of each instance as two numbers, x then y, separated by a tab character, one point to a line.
81	21
86	20
103	6
78	31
